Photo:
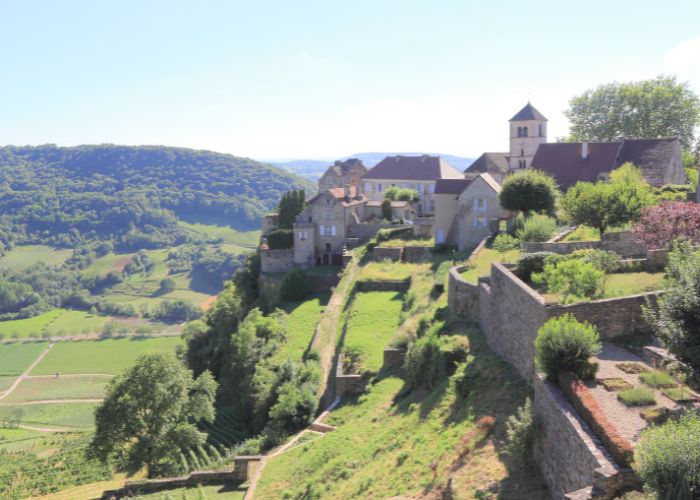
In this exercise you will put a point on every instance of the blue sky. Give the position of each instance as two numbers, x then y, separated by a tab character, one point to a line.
281	79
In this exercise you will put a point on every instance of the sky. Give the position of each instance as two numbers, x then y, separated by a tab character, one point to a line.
305	79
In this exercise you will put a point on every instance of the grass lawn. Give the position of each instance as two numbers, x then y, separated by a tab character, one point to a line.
481	265
55	322
109	356
50	414
16	357
371	323
387	270
26	255
582	233
228	492
45	388
622	284
385	442
400	242
301	324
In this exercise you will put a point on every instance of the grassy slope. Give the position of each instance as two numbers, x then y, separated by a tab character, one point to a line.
55	322
53	414
482	263
15	358
371	323
101	356
44	388
621	284
385	442
301	324
26	255
232	492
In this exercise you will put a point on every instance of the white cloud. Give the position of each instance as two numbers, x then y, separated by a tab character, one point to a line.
685	54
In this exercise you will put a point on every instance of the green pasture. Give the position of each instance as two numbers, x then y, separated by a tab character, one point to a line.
214	229
301	324
26	255
17	357
55	322
65	387
52	414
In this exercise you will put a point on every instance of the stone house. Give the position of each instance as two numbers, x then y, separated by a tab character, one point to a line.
342	172
322	227
467	210
413	172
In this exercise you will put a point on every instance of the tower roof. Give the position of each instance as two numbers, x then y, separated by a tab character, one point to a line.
528	113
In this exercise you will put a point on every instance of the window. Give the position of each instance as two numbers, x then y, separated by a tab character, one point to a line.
520	131
303	235
479	221
327	215
480	204
368	187
524	131
541	130
432	189
379	188
522	152
432	205
328	230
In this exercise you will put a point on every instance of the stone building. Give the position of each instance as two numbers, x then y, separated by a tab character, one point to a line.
342	172
413	172
467	210
321	228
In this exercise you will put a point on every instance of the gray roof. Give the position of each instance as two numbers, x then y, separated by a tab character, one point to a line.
451	186
413	168
529	112
490	162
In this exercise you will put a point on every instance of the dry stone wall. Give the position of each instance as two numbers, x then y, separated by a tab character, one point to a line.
276	261
387	253
624	243
416	254
462	296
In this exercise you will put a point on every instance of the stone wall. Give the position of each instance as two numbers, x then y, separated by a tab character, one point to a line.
276	261
423	227
623	243
569	456
367	230
462	296
383	285
387	253
656	260
323	282
416	254
393	356
348	383
562	247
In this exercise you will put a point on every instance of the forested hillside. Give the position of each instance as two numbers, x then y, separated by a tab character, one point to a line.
130	195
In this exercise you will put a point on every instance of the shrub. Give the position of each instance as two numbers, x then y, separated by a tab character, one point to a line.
667	458
296	285
520	432
167	285
571	278
386	209
658	379
529	191
425	364
531	263
353	358
465	378
504	242
455	349
537	227
603	260
564	344
639	396
280	239
662	224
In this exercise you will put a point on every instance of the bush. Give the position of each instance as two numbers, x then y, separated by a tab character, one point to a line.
386	209
537	228
529	191
454	349
505	242
353	359
296	285
167	285
520	432
531	263
395	193
571	278
667	458
466	378
280	239
603	260
564	344
425	364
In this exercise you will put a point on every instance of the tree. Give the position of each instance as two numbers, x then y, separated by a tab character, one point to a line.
529	191
662	224
386	209
564	344
572	278
291	204
646	109
167	285
296	285
149	414
395	193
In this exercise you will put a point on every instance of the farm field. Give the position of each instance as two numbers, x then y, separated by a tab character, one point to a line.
18	439
55	322
26	255
52	414
66	387
301	324
371	322
108	356
17	357
6	382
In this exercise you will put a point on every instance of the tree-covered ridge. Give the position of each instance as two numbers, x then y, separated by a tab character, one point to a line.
130	194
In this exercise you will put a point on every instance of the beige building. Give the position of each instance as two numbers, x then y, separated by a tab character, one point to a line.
341	173
412	172
467	210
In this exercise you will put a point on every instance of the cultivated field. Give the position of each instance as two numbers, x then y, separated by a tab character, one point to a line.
52	414
58	322
17	357
66	387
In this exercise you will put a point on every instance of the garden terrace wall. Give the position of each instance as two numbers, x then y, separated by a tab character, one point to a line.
624	243
462	296
276	261
348	383
393	356
387	253
362	285
569	456
416	254
367	230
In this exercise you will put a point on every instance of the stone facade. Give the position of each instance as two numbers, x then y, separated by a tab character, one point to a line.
366	230
570	457
348	383
276	261
269	223
339	174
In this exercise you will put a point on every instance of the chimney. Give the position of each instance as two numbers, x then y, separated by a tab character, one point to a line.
584	150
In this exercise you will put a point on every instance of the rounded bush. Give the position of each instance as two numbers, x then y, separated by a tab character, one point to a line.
296	285
531	263
564	344
425	364
529	191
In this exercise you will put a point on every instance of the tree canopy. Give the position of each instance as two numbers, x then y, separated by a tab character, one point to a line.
149	414
646	109
395	193
529	191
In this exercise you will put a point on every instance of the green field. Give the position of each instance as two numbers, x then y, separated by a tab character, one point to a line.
55	322
53	414
66	387
6	382
18	439
481	264
26	255
301	324
371	323
228	492
213	230
17	357
109	356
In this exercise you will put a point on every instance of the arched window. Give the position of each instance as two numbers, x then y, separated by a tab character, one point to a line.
520	131
540	130
524	131
522	152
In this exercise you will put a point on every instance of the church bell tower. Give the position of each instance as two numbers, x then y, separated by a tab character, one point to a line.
528	129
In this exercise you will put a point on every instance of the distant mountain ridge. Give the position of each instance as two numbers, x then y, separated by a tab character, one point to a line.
314	169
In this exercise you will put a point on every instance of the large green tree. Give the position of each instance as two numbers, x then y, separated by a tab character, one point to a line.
150	412
646	109
529	191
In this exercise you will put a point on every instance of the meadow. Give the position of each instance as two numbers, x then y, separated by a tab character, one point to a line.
218	229
301	324
109	356
17	357
52	414
66	387
25	255
57	322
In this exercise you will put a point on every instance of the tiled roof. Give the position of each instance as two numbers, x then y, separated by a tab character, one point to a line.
451	186
529	112
652	156
344	166
413	168
490	162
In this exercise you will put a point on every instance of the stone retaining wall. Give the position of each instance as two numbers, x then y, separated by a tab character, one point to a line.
393	357
387	253
462	296
348	383
276	261
570	457
382	285
416	254
624	243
